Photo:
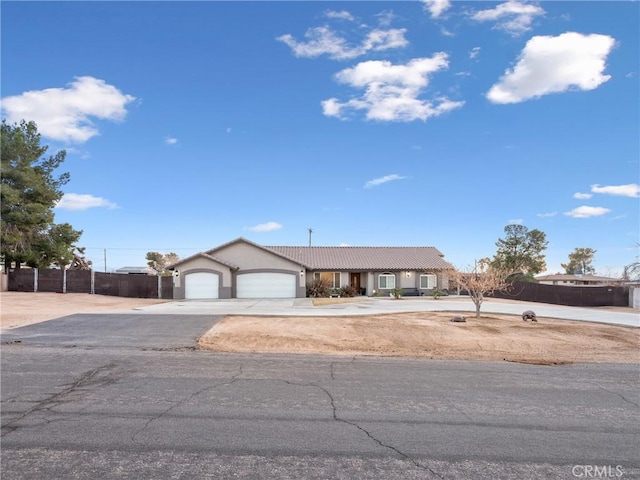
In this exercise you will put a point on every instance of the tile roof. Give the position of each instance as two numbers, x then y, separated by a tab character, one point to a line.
204	255
365	258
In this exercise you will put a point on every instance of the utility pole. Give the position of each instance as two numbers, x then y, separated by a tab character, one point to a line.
310	232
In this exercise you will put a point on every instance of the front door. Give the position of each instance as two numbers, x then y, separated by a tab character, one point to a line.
355	282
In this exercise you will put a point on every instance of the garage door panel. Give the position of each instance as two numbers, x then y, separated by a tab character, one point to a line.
201	285
266	285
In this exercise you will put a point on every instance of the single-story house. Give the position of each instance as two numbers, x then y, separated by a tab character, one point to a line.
243	269
573	280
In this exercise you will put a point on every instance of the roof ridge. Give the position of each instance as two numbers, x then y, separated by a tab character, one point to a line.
349	246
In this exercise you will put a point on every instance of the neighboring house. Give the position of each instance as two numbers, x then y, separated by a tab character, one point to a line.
137	270
243	269
573	280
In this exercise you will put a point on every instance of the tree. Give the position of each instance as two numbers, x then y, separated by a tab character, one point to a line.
30	191
54	247
520	252
79	262
632	271
159	261
482	280
580	262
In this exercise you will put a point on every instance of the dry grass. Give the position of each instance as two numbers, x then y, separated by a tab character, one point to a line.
429	335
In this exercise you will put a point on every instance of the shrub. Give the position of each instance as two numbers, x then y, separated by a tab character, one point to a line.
436	294
348	291
319	288
397	292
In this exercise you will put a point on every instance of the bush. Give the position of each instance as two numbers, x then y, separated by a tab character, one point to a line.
319	289
348	291
436	294
397	292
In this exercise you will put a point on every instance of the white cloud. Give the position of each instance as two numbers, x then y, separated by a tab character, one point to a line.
265	227
547	215
554	64
631	190
516	221
81	201
582	196
379	181
436	7
475	51
170	140
513	17
65	114
341	15
385	18
586	212
324	41
392	91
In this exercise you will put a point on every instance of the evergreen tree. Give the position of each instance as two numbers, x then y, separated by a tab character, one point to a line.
29	191
580	262
520	252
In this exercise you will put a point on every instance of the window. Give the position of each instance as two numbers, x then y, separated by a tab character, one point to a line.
428	281
332	277
386	280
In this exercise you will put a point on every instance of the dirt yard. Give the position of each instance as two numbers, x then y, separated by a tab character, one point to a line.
22	308
430	335
423	335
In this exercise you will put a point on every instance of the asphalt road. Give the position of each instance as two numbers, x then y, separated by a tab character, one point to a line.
111	396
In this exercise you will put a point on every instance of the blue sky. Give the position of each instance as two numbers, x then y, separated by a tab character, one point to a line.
188	124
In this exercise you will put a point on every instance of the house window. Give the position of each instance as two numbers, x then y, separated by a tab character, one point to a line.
386	280
332	277
428	281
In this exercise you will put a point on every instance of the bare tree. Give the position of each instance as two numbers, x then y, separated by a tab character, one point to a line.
632	271
79	262
483	279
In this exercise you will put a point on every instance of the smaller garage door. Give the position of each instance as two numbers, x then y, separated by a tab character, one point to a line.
202	285
266	285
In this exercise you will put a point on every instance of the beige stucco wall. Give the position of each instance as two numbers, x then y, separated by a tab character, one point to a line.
248	257
407	282
202	263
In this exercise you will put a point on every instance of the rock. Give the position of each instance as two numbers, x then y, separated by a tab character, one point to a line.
529	315
458	319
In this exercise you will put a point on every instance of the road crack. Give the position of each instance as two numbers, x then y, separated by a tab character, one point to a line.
94	377
177	404
336	418
619	395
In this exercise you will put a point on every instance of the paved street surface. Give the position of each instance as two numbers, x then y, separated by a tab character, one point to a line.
125	396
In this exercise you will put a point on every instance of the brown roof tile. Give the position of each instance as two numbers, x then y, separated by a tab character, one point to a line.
365	258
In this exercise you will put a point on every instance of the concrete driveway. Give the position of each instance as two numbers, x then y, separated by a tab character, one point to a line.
373	306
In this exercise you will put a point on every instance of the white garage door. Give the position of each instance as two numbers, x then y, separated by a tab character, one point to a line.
266	285
201	285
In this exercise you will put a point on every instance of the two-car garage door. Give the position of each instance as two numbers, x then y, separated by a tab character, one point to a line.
266	285
205	285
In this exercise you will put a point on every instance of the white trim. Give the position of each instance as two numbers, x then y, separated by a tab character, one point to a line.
386	275
432	281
